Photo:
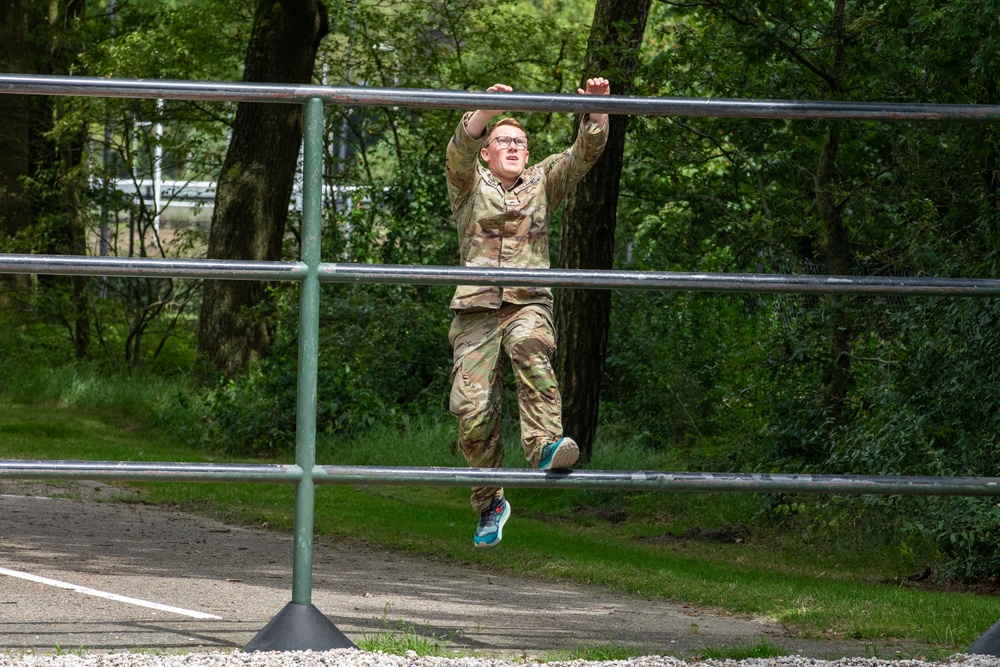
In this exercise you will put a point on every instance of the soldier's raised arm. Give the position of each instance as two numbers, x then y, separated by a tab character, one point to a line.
479	120
463	149
597	86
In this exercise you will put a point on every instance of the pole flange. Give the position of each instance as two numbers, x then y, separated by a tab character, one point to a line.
988	643
299	627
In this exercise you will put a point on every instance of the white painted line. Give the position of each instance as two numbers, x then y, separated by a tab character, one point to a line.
107	596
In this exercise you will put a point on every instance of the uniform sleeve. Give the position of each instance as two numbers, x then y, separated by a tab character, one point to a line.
461	163
566	169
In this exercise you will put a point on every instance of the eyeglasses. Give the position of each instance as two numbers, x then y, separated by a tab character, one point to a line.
504	142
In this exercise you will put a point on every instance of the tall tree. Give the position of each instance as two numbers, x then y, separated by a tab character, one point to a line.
42	166
588	225
255	186
66	23
830	204
15	210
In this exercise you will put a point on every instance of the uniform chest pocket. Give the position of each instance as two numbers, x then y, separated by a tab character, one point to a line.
538	216
489	211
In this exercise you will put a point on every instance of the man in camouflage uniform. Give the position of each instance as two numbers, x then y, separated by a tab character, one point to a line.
502	213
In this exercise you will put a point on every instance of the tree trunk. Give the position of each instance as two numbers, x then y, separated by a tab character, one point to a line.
991	174
255	186
837	242
14	207
65	207
588	226
15	203
838	258
74	175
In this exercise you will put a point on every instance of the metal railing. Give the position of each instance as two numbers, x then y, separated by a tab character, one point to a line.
198	194
311	271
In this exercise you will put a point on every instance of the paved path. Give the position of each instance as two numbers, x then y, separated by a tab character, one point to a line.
243	577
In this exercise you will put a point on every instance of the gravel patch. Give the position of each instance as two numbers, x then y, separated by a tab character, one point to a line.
354	658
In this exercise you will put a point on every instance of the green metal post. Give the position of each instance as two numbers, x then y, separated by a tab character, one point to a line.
300	626
305	434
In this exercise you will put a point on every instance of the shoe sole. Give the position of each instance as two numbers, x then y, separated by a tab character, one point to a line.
503	520
566	455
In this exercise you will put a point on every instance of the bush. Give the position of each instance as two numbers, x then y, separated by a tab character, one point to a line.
384	354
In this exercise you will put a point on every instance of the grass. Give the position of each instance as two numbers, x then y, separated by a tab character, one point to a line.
398	637
602	652
839	584
757	650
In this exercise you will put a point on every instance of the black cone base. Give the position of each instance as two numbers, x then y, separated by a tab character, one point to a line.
988	642
299	627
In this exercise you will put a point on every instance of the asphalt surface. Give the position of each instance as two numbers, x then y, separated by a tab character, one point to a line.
243	576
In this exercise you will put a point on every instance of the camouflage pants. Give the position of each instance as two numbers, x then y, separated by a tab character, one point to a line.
481	341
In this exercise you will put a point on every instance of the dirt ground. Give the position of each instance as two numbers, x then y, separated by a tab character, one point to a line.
244	577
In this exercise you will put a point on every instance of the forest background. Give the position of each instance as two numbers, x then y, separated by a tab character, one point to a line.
861	385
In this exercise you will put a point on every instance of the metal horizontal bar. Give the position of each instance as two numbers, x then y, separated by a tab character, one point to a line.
31	84
659	280
662	481
151	268
517	477
773	283
129	471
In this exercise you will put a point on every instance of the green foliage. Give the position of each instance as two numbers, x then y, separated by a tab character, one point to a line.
401	637
694	381
38	365
134	324
710	381
926	406
965	531
603	653
383	356
83	143
761	650
739	383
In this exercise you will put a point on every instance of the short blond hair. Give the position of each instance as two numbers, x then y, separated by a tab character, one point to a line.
506	121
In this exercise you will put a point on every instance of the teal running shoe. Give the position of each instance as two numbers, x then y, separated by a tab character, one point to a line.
489	532
560	454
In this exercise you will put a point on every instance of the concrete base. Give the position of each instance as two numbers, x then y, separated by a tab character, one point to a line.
299	627
988	642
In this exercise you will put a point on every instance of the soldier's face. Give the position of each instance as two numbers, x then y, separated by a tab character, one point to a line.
506	162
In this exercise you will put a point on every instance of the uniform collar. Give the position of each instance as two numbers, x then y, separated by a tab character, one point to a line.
527	177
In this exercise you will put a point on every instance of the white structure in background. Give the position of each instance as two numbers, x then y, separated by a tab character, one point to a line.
193	194
201	194
157	189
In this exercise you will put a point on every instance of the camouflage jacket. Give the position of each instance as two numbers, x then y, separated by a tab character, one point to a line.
500	228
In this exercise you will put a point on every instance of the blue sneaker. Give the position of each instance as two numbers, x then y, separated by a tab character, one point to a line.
560	454
489	532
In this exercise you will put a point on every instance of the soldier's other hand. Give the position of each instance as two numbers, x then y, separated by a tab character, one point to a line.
497	88
596	86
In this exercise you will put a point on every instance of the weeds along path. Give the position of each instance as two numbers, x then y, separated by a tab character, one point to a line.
243	577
